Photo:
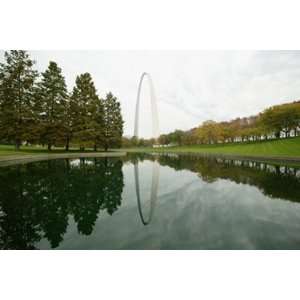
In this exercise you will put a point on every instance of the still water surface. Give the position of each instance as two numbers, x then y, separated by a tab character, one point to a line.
149	202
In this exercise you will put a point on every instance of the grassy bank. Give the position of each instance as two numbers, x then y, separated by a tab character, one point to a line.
281	148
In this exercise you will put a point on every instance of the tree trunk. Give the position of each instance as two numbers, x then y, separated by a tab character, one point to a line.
17	145
49	147
95	148
105	147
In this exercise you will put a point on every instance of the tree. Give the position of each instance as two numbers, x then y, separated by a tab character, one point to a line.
113	122
99	125
53	97
288	116
68	123
18	117
87	116
209	132
176	137
227	132
134	141
281	119
163	139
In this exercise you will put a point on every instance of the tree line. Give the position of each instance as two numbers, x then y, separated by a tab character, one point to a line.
38	109
279	121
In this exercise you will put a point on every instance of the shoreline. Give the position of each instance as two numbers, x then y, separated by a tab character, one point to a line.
28	158
260	158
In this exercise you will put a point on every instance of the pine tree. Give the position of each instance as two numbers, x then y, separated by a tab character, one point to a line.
68	123
53	96
113	122
98	124
86	112
18	117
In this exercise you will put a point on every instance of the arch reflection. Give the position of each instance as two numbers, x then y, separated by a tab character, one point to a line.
153	194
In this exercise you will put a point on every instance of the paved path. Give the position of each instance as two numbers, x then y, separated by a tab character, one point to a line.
27	158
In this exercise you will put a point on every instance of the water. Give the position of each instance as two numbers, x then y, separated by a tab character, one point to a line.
149	202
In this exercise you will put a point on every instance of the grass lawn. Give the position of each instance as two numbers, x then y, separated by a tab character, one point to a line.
283	148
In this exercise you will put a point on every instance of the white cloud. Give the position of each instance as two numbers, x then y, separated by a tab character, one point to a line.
191	86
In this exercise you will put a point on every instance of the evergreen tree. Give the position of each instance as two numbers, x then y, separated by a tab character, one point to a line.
113	122
86	112
18	119
98	124
68	123
53	97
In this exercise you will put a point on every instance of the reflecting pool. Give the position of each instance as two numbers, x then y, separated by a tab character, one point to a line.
149	201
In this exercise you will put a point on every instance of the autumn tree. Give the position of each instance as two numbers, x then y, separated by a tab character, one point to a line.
189	137
209	132
282	119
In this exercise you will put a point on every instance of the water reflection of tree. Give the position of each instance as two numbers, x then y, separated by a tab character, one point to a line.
113	186
37	199
273	180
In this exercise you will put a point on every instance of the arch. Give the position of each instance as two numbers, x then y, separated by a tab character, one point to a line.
155	125
155	134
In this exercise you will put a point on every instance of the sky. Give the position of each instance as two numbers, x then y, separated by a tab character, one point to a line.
190	86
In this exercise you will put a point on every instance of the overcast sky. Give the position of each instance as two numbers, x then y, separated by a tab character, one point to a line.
191	86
